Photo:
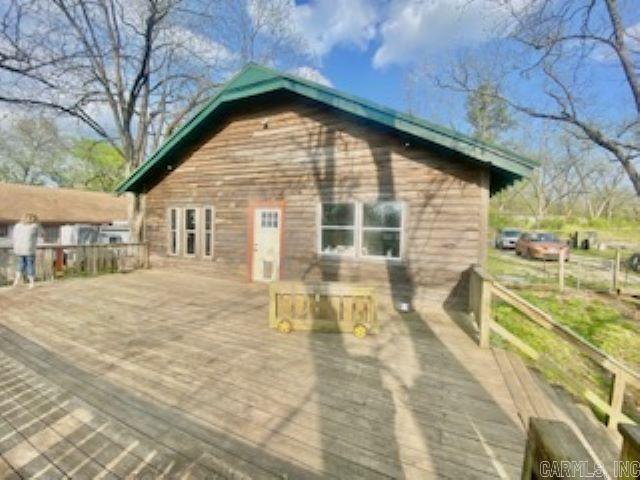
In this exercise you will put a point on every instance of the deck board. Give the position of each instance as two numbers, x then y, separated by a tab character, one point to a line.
176	373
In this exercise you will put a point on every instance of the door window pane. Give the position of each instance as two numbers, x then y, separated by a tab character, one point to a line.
269	220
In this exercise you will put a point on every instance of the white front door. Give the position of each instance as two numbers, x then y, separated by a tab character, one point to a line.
266	244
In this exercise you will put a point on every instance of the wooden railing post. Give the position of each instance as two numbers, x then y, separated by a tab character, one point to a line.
484	320
616	399
480	303
615	281
629	465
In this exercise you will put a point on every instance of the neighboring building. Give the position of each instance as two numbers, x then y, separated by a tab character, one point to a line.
65	214
281	178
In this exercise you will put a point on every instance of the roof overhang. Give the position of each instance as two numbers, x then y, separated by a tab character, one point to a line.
253	81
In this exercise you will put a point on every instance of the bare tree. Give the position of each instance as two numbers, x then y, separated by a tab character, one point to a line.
117	67
261	31
132	71
559	41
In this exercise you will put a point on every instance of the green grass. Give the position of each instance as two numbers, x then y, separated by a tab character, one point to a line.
531	273
592	318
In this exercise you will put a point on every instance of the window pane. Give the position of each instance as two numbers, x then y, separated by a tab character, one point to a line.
382	214
381	243
51	234
269	220
338	214
191	243
190	219
337	241
207	244
173	219
207	219
174	242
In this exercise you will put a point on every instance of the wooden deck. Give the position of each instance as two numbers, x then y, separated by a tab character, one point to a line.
162	374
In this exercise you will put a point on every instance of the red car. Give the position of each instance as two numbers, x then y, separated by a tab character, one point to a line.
541	245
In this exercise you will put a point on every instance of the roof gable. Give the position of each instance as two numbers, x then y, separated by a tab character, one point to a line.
506	166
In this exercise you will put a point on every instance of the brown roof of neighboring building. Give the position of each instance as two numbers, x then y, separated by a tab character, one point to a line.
59	205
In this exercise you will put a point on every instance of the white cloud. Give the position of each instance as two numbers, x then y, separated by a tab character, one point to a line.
414	28
326	24
312	74
191	44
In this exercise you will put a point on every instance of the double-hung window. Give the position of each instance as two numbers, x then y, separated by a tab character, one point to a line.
174	231
338	228
190	231
362	230
207	232
381	230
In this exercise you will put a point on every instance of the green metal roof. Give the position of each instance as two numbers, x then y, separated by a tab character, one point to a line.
255	80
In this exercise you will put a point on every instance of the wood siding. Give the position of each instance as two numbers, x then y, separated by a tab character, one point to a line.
303	154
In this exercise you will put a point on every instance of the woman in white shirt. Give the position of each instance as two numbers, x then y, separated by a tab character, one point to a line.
25	239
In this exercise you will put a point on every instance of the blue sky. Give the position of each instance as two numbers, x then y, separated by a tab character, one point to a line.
351	70
367	47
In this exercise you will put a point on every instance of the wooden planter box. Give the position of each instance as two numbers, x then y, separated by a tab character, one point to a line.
323	307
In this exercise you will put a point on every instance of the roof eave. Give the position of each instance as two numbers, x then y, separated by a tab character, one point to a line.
491	156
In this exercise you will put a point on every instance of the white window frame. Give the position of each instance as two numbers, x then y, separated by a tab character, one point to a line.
194	231
321	227
362	229
359	229
210	231
171	231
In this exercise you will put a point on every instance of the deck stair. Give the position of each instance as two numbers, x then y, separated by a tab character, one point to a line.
534	397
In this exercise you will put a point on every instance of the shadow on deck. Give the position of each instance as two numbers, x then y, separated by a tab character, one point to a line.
177	374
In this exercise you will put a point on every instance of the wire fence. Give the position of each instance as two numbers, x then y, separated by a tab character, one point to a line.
607	272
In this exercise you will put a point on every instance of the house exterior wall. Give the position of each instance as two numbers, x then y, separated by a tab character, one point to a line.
302	155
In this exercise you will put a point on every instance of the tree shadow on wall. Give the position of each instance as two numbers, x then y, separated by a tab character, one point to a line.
377	416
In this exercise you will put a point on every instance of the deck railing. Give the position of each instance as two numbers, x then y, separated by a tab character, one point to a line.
483	289
554	450
53	261
629	466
